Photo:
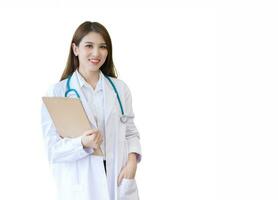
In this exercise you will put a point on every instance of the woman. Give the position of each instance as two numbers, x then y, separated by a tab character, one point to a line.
80	174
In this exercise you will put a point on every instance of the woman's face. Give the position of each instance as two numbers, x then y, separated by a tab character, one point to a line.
92	52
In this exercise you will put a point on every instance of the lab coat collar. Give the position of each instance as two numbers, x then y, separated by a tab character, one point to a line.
110	98
83	82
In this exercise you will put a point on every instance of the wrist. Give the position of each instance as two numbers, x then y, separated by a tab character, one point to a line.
132	157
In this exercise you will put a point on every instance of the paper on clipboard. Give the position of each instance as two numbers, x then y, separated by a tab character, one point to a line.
68	116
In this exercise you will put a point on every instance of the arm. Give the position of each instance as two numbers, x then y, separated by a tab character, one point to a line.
133	142
132	134
60	149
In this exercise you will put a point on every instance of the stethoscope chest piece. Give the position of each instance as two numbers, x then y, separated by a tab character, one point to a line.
123	119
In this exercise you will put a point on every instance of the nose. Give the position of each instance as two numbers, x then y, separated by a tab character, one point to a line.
95	52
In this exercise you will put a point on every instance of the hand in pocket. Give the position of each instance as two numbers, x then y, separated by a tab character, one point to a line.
129	170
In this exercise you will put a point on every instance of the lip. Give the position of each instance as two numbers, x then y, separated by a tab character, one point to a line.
94	61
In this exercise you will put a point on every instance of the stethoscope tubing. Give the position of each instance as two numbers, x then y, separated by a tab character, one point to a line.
123	118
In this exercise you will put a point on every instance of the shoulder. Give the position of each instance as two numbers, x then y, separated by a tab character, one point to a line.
123	89
120	84
57	89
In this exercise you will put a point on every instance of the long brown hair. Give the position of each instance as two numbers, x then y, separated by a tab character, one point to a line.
108	67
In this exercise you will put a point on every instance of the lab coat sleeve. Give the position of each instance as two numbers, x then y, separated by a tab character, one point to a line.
60	149
132	134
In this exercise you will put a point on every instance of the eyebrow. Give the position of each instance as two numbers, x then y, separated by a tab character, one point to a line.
94	43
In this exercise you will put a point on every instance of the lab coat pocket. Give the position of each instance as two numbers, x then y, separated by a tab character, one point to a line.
128	190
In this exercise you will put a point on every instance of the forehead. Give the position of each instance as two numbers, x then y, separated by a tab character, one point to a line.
93	37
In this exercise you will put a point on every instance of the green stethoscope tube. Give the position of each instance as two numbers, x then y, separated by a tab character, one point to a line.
69	89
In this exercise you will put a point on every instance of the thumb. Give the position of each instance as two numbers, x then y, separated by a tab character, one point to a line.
90	132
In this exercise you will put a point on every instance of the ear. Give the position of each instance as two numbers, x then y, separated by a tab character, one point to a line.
75	49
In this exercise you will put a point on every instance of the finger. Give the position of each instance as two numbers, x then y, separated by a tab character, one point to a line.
96	138
92	137
120	178
90	132
95	141
95	130
100	139
86	133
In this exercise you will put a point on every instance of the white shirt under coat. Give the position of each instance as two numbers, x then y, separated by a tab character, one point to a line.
95	100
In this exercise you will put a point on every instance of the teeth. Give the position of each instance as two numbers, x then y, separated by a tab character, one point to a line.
94	60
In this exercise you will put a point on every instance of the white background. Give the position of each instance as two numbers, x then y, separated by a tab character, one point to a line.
203	76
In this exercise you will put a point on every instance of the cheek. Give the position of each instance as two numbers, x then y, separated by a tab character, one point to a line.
83	54
104	54
82	58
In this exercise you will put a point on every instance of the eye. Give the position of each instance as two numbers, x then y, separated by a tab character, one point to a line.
103	47
89	46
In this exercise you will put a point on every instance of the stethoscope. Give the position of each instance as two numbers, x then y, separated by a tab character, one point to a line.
123	118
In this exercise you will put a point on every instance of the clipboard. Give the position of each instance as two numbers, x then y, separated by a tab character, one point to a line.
69	117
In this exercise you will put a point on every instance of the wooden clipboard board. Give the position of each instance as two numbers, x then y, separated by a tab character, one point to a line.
69	117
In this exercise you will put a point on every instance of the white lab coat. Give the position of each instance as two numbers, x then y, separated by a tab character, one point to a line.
79	174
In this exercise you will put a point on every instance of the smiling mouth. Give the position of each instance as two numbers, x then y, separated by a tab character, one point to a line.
94	61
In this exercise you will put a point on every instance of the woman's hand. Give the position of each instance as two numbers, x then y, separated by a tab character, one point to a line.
128	171
92	139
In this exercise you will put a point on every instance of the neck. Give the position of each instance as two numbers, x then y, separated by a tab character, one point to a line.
91	77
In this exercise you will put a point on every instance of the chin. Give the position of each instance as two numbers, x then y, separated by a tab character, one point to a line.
93	68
